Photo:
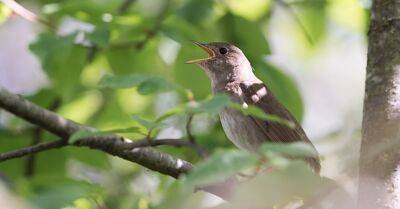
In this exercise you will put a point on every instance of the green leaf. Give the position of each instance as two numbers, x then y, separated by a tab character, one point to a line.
180	30
133	129
250	9
58	195
221	165
82	134
245	34
195	11
191	76
62	60
313	17
259	113
278	188
212	106
145	84
283	87
155	84
87	156
170	113
100	36
127	60
181	196
297	149
122	81
146	123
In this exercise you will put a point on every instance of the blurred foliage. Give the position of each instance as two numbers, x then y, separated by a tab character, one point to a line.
119	66
4	12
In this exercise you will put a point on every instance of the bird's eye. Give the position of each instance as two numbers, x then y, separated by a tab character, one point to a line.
223	50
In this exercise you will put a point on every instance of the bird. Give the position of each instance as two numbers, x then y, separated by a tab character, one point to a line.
231	73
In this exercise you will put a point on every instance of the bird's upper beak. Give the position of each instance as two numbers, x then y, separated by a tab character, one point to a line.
206	48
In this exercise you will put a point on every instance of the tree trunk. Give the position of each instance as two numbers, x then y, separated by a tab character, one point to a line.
379	184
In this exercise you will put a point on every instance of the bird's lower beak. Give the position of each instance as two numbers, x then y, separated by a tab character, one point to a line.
209	51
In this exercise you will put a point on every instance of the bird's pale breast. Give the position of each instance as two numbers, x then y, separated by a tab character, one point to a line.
241	130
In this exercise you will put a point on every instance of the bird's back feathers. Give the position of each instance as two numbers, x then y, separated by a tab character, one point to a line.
259	95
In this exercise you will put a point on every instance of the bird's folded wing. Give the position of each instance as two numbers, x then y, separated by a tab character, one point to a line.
259	95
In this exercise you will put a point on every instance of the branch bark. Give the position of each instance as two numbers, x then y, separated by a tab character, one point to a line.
379	184
111	144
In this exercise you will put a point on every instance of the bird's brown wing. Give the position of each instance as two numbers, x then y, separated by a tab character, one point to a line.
259	95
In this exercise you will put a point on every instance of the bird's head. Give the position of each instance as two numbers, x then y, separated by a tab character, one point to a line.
225	62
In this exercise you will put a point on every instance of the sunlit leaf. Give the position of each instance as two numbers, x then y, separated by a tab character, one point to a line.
146	123
5	12
212	106
155	84
221	165
180	196
259	113
170	113
145	84
312	16
277	188
250	9
95	133
122	81
133	129
297	149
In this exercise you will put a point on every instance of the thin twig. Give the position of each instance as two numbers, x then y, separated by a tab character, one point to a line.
30	160
192	140
189	129
33	149
36	138
61	143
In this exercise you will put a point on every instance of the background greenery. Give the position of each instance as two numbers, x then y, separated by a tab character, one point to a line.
124	58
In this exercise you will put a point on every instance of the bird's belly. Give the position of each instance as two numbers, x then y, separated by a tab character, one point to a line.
241	130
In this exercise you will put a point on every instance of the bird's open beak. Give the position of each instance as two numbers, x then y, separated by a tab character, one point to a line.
209	51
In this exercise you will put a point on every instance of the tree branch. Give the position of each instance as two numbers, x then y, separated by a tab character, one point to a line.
111	144
32	149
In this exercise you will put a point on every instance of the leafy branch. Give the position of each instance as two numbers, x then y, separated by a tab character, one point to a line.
112	144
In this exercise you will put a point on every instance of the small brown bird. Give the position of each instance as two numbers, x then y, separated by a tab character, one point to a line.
231	73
